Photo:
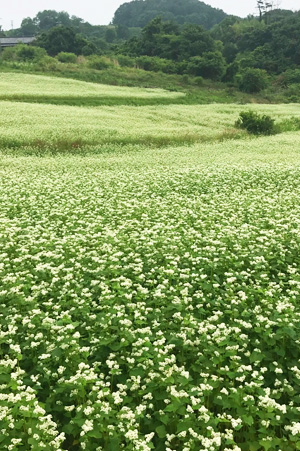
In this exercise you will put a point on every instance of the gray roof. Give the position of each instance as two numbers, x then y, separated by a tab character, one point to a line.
14	41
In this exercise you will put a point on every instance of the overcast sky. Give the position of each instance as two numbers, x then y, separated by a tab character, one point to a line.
100	12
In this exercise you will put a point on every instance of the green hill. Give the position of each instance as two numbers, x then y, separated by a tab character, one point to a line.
139	12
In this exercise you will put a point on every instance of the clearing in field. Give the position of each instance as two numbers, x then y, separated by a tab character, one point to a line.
150	279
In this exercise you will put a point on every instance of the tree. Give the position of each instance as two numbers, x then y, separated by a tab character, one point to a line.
122	32
195	40
252	80
231	71
49	18
61	39
138	13
210	65
28	27
110	35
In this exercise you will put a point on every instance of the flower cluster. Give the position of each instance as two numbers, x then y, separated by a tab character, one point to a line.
149	297
147	307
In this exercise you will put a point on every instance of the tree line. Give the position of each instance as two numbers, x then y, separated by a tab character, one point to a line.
249	52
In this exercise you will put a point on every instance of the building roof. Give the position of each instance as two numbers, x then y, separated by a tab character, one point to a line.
14	41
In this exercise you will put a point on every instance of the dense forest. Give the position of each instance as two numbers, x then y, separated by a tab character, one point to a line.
251	53
139	12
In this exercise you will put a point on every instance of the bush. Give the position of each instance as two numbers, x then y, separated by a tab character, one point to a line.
29	53
256	124
231	71
126	61
198	81
99	62
89	49
66	57
288	78
210	65
22	52
48	64
252	80
156	64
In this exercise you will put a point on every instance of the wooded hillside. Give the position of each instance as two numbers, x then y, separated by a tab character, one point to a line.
139	12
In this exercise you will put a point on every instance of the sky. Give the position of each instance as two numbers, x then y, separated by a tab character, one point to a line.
100	12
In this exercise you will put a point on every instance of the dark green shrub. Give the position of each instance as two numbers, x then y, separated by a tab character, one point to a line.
289	77
30	53
231	71
256	124
156	64
90	49
210	65
66	57
252	80
292	93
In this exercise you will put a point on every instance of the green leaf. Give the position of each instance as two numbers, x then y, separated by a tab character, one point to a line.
266	444
248	420
171	408
254	446
113	444
94	434
165	419
184	426
161	431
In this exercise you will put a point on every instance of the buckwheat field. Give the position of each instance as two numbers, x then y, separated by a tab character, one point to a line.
150	279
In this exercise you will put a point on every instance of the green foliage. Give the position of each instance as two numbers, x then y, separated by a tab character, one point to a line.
48	64
231	72
252	80
230	52
23	52
126	61
139	12
47	19
256	124
291	124
99	62
289	77
172	32
169	47
272	45
211	65
89	49
65	57
28	27
156	64
110	35
195	41
62	39
99	36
